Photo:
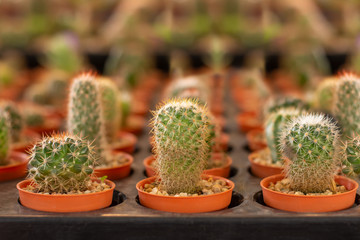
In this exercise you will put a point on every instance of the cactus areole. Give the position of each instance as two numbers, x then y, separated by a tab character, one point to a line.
181	133
311	143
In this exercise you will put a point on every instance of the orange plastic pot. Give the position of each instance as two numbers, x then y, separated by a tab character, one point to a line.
134	124
222	143
16	169
193	204
248	121
254	139
260	170
65	202
125	142
220	172
118	172
303	203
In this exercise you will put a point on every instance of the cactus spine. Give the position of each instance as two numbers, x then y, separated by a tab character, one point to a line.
85	114
274	126
111	113
15	120
4	138
347	104
181	133
61	164
311	143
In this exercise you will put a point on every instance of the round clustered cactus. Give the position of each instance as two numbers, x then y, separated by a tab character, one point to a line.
85	115
351	151
311	142
284	102
4	138
346	106
274	125
325	94
61	164
181	136
111	113
15	120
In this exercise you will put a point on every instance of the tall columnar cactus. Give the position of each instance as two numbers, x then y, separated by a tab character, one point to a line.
4	138
312	144
111	113
15	120
274	126
351	151
61	163
325	94
85	113
347	103
181	133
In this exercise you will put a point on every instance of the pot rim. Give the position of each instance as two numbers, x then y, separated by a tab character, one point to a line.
21	157
151	179
108	182
282	176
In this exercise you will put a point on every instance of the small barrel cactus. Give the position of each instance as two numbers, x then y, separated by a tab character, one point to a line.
181	134
274	126
347	103
284	102
325	94
61	163
311	142
85	117
4	138
351	151
111	113
15	120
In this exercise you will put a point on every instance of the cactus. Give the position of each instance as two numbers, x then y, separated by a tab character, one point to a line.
311	142
85	113
34	119
347	103
4	138
15	120
111	113
284	102
181	134
351	153
188	87
274	126
325	94
61	164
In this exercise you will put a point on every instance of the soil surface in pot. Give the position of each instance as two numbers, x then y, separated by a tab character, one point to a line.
283	186
116	160
206	187
92	187
264	158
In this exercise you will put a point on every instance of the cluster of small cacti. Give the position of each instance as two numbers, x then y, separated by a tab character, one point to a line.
85	116
15	120
4	138
109	99
311	143
274	126
61	163
181	133
347	103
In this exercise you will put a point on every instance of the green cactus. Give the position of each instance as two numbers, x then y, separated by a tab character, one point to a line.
111	113
311	142
325	94
347	103
181	133
274	126
15	120
351	153
85	114
284	102
34	119
61	164
4	138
